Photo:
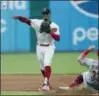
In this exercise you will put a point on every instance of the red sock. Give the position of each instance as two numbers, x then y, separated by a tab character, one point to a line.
43	72
77	81
47	72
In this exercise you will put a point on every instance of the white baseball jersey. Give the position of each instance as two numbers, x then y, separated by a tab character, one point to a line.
91	78
43	38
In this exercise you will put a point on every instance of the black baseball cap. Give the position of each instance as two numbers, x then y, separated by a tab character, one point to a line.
46	11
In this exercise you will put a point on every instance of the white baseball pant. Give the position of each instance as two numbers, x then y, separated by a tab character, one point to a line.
45	55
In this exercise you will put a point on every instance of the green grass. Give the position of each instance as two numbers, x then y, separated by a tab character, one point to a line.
27	63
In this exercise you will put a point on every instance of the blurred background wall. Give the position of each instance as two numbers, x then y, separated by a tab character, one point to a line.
15	36
78	24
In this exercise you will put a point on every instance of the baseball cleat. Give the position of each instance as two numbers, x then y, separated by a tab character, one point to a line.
44	88
65	88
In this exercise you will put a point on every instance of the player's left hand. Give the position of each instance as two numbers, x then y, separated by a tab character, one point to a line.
45	27
91	47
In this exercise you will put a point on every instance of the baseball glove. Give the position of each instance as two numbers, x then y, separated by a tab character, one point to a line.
45	27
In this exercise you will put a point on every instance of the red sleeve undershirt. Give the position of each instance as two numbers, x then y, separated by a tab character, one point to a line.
25	20
85	53
53	31
55	36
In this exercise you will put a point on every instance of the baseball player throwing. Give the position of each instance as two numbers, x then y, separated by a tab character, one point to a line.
46	32
89	78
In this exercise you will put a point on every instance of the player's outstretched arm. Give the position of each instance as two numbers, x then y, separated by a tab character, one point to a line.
22	19
83	55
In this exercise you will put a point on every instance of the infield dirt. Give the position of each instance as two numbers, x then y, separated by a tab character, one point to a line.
33	82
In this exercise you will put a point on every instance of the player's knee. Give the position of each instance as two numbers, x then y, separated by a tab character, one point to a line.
42	67
46	65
